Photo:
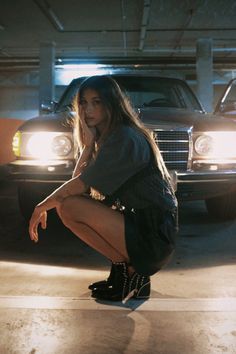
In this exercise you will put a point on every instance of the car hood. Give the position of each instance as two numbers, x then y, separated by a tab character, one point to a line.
153	118
166	118
57	122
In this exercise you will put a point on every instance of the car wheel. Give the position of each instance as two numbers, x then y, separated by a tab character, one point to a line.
222	207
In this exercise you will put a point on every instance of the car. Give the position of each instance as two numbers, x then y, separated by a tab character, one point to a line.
199	147
226	105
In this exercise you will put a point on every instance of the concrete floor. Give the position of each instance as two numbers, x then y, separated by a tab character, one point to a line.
45	305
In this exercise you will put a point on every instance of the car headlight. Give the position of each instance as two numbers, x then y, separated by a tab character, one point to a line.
42	145
61	145
48	145
204	145
16	142
216	145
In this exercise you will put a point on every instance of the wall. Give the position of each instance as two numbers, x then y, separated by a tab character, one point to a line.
8	128
17	104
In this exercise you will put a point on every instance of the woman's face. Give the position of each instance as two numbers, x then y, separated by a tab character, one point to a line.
94	110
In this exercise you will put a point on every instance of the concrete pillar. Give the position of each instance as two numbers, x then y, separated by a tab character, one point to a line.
46	73
204	68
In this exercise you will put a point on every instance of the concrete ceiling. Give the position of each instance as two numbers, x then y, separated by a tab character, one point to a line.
154	31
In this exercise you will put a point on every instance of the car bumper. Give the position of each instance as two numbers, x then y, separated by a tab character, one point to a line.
191	185
205	184
35	172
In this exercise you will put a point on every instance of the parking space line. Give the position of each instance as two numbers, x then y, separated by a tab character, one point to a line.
86	303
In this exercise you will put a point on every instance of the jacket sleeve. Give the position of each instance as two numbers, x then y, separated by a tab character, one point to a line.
122	155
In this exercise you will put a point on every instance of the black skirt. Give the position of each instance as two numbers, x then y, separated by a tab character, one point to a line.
150	237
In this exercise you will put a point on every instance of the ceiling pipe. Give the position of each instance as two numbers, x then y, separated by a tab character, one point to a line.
6	56
131	60
181	34
123	23
50	14
145	20
178	29
187	50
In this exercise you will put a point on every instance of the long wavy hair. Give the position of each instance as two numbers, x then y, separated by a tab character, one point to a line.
119	110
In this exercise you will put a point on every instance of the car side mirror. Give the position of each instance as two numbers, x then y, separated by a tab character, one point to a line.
48	106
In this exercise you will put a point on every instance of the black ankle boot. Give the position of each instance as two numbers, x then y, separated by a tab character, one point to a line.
124	287
117	291
104	283
139	287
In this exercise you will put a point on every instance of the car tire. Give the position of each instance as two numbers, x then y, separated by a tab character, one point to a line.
222	207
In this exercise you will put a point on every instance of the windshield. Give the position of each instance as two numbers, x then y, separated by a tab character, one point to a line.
145	92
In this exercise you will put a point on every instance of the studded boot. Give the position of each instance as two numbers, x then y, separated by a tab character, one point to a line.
117	291
139	287
104	283
124	287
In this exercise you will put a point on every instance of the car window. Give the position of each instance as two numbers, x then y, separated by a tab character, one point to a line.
187	98
145	92
66	99
159	92
154	97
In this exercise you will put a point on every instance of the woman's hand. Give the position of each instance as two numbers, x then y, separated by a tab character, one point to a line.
39	216
89	134
72	187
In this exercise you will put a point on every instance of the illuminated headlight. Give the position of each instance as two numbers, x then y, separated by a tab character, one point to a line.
46	145
43	146
16	142
216	145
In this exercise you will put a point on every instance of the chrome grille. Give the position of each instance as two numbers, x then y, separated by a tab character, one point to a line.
174	147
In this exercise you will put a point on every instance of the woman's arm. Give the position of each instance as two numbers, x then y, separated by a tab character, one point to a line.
74	186
83	160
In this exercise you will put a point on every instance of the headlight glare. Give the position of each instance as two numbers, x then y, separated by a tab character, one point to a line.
47	145
217	145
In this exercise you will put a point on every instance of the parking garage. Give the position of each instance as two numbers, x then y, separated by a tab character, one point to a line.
45	304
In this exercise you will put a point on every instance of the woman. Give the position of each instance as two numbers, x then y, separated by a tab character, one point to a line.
119	199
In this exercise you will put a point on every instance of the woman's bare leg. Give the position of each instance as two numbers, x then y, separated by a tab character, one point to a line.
96	224
93	239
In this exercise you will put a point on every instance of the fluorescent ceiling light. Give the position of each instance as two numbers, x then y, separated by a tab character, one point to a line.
66	73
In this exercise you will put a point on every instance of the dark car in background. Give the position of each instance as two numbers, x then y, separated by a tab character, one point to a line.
199	147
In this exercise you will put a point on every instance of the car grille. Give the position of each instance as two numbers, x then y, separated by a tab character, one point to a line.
174	147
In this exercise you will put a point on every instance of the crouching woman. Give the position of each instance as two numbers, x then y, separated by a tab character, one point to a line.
119	200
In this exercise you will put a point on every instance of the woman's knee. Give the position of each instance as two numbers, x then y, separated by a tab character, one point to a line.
67	207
